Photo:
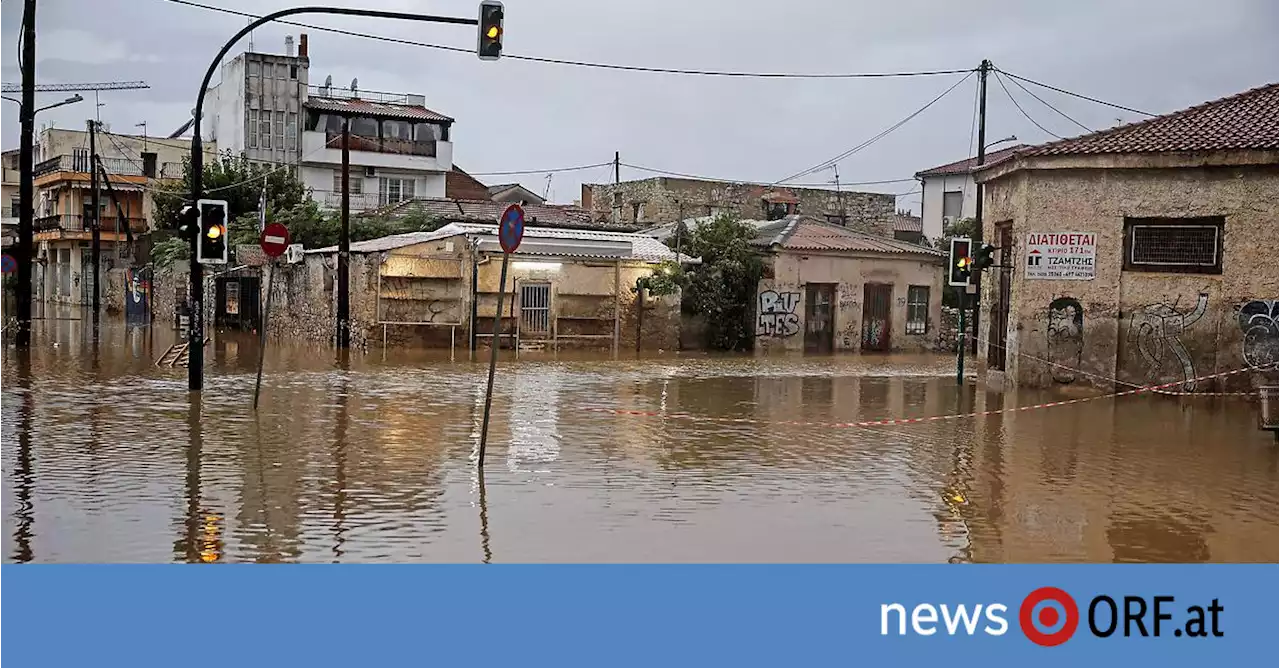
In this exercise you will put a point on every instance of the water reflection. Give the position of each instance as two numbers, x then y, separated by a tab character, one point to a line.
730	459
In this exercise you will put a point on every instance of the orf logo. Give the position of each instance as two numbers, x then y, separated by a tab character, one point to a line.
1048	616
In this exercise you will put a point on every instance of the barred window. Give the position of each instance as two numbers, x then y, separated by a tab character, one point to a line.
356	183
918	309
1174	244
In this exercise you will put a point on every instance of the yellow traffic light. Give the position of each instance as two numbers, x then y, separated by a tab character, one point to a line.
493	32
214	232
962	262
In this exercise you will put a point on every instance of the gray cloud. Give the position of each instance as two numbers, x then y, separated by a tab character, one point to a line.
1151	55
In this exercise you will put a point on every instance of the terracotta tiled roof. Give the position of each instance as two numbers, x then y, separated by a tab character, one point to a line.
1245	121
969	164
411	112
903	223
805	233
461	185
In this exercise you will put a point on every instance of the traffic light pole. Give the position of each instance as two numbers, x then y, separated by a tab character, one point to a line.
96	235
983	69
26	179
195	339
961	294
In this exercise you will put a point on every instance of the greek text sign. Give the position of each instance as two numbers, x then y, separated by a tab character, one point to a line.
1066	256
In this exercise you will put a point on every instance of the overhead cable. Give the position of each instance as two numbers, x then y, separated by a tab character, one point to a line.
1024	111
1067	92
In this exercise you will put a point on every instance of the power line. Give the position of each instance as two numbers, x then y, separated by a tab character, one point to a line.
517	172
581	63
1083	97
1024	111
878	137
759	183
1060	112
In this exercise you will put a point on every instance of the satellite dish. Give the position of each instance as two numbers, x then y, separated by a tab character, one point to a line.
353	85
328	81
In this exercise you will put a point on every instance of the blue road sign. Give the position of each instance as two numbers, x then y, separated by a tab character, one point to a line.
8	264
511	228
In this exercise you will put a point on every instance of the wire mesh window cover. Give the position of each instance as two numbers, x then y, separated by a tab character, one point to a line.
535	308
918	309
232	304
1174	245
355	182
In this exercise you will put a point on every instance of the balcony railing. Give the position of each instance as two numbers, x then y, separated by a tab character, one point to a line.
80	163
70	222
376	145
366	95
172	170
359	201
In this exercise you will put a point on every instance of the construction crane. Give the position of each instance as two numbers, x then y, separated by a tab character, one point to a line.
77	87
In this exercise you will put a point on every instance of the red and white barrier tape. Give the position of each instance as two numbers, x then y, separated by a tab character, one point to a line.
896	421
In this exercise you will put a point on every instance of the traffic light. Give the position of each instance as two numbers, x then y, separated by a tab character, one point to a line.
211	247
489	44
985	257
959	263
188	222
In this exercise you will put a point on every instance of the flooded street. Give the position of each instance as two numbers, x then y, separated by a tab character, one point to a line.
684	458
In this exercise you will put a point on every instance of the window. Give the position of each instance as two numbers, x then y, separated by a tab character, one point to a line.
282	71
15	206
264	129
280	129
233	298
918	309
392	190
255	68
1184	245
291	131
953	205
356	183
293	71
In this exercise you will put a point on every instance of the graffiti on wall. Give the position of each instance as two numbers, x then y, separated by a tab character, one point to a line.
1065	335
777	314
1258	323
1158	328
137	295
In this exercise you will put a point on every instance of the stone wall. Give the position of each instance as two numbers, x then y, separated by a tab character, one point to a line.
663	200
1139	327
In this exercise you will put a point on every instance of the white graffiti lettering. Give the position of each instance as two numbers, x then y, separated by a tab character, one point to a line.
777	317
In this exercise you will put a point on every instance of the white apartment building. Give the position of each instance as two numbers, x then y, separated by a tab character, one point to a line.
950	193
265	110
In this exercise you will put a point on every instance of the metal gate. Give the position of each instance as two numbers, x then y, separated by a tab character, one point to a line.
819	326
535	310
998	335
876	300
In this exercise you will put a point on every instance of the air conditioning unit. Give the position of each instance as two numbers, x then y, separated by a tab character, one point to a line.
293	254
370	171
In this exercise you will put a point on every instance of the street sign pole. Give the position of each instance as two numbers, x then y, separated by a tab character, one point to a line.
510	233
274	240
962	296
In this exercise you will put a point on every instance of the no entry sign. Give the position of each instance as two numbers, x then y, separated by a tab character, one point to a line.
511	228
274	239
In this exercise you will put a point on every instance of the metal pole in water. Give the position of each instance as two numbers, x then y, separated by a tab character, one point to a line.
960	290
493	358
262	345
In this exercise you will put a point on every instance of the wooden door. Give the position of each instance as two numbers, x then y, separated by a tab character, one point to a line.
877	299
819	322
997	337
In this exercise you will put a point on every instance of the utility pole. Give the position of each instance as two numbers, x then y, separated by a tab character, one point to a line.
26	187
983	69
344	243
95	219
844	220
617	163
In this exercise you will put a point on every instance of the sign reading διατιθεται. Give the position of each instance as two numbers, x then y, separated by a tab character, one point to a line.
1064	256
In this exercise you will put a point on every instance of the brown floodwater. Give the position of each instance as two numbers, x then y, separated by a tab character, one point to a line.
726	459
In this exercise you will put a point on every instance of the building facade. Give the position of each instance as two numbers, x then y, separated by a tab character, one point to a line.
1140	255
135	166
949	192
828	287
662	199
255	110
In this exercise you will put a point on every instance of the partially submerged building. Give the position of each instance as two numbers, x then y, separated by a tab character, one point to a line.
827	287
1142	254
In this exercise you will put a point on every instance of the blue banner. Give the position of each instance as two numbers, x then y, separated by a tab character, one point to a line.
901	615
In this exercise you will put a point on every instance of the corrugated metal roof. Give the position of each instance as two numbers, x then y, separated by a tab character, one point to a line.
538	241
411	112
805	233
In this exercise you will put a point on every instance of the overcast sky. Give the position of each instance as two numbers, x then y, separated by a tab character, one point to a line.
1156	55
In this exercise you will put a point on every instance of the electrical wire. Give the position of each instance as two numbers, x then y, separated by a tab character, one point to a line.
581	63
878	137
1034	122
1067	92
557	170
1055	109
760	183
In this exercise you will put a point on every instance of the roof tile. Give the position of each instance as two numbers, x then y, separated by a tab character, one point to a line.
412	112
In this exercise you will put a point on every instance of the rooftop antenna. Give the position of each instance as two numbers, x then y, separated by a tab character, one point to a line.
546	189
328	85
354	91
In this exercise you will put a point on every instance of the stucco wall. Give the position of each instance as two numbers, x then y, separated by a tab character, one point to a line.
784	294
659	200
1137	325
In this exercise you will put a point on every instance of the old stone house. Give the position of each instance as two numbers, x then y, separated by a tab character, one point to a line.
662	199
828	287
565	289
1145	253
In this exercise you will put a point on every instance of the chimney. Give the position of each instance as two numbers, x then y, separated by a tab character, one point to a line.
302	45
288	45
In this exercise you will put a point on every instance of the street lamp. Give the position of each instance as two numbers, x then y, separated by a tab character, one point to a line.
1001	141
71	100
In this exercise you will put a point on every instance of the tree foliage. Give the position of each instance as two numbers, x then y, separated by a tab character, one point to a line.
722	289
284	190
963	227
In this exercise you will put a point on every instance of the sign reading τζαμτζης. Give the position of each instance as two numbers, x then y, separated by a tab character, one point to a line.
1068	256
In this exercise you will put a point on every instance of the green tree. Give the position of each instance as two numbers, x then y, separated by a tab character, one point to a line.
722	289
239	182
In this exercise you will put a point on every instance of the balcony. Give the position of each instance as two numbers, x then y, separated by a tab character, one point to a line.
359	201
67	222
325	148
80	163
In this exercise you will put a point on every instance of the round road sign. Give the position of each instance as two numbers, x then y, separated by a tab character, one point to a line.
511	228
8	264
274	239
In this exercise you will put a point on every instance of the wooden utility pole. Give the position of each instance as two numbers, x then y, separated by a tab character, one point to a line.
26	185
983	69
95	219
344	243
